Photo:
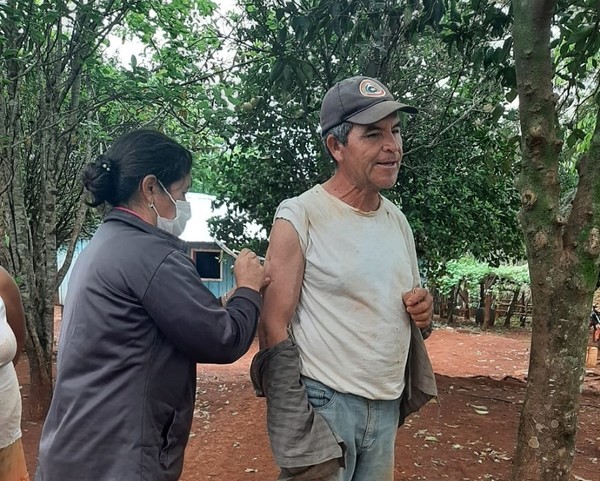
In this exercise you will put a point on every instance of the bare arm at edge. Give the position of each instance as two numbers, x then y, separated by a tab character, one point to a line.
15	315
284	265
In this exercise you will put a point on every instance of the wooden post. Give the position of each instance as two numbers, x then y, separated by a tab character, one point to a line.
591	357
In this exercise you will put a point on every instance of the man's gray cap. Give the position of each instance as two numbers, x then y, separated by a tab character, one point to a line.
360	100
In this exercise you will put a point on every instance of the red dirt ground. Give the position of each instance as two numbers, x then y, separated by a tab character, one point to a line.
445	441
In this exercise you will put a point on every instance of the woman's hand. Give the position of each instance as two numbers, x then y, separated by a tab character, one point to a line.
249	272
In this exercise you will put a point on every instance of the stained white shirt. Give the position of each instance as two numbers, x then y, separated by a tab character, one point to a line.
350	325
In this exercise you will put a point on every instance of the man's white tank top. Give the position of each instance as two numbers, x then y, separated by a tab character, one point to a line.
351	327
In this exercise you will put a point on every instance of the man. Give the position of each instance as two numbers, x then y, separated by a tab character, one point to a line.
345	289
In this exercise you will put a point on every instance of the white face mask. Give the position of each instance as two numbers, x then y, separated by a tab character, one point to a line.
183	213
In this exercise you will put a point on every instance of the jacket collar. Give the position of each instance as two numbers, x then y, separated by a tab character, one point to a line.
135	221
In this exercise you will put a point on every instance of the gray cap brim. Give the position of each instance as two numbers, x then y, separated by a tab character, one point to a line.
380	111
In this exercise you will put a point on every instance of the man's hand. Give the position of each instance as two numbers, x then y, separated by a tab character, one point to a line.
419	304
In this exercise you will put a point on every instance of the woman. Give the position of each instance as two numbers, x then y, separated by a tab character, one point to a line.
136	320
12	337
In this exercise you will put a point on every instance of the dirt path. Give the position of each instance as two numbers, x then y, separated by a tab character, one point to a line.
454	440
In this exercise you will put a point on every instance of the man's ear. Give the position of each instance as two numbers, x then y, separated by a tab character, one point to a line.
148	188
335	147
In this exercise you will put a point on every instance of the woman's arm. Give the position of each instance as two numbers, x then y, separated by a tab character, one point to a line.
15	314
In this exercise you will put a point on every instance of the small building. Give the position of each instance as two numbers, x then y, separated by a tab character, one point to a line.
212	263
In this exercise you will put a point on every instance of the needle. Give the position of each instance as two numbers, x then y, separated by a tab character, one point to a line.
231	252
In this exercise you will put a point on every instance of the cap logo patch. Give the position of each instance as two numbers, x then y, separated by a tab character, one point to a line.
369	88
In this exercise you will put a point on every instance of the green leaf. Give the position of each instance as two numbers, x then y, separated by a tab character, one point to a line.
580	34
276	71
511	95
497	113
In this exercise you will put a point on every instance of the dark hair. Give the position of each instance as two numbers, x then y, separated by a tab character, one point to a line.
115	177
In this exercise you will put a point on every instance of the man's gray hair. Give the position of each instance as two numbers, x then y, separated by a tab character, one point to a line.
340	133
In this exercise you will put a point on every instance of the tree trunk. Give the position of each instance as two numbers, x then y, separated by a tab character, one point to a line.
40	374
40	122
511	308
465	298
488	319
524	306
436	302
487	312
548	427
451	304
28	263
563	255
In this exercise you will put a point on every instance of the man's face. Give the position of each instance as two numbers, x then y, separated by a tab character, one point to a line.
371	159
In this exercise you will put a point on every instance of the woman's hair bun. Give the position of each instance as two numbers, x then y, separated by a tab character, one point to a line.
96	178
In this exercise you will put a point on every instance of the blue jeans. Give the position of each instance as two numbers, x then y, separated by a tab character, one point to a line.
367	427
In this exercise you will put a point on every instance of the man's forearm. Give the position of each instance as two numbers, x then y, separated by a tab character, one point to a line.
271	333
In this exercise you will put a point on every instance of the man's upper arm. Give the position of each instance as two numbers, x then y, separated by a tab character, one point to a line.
284	265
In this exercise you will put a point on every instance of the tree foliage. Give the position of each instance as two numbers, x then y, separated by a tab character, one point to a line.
469	274
455	185
59	104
